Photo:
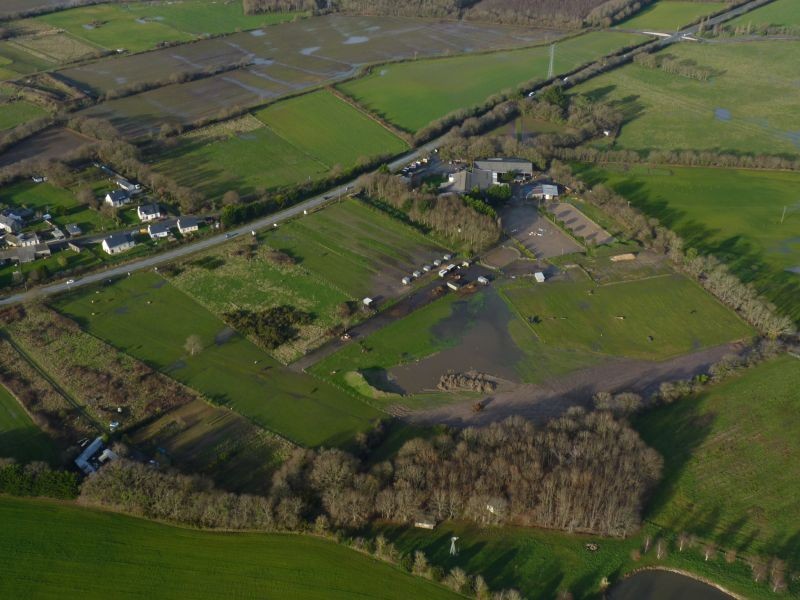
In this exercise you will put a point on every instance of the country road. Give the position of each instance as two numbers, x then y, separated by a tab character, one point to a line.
311	203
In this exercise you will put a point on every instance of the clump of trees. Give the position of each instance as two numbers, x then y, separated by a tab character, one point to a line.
36	479
447	215
670	64
471	380
271	327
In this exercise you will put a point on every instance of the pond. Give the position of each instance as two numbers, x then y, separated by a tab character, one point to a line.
664	585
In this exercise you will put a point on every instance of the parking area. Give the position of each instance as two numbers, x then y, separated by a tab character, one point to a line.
522	221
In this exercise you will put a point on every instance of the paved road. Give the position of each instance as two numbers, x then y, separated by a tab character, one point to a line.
209	242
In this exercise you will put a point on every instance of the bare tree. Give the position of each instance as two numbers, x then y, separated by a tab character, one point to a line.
193	345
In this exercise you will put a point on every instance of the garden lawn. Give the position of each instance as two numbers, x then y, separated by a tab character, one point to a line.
780	13
150	319
413	94
329	129
748	106
84	553
16	113
738	215
652	319
19	437
670	15
730	468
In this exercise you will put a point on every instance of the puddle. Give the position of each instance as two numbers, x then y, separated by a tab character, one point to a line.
383	72
121	80
176	366
224	336
141	21
263	62
87	26
159	284
355	39
373	29
795	270
722	114
479	327
258	33
309	51
121	310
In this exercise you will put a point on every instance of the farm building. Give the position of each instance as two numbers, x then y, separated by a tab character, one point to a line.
503	166
117	198
73	230
22	240
188	224
466	181
544	191
158	230
118	242
94	456
148	212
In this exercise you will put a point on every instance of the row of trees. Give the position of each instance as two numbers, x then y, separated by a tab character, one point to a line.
36	479
668	63
582	472
448	216
271	327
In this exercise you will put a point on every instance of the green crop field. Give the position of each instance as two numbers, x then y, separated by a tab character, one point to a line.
412	94
19	437
670	15
323	126
736	214
15	61
730	472
141	26
60	203
83	553
304	138
780	13
651	319
16	113
747	106
150	319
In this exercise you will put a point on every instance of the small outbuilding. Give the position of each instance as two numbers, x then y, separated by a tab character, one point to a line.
539	277
73	230
545	191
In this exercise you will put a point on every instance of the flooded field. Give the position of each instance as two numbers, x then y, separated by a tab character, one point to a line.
278	60
664	585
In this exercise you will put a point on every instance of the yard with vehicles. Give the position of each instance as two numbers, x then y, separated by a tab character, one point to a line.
670	15
150	319
290	142
413	94
100	554
750	219
745	106
324	263
17	113
20	438
729	473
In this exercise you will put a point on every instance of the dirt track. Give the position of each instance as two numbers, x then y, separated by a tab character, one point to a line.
541	402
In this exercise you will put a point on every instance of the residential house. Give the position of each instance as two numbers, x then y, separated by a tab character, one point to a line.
158	230
22	240
129	186
148	212
544	191
11	224
118	242
503	166
117	198
188	224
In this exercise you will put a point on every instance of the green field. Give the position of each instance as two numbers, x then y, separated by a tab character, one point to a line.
748	106
730	471
150	319
735	214
19	437
50	549
60	203
16	113
15	61
670	15
303	139
412	94
780	13
651	319
141	26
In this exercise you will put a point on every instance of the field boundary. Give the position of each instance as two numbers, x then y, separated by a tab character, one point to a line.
391	128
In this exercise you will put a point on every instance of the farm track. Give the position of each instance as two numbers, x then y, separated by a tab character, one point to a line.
545	401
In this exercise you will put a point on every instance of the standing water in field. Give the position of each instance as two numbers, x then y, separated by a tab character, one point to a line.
664	585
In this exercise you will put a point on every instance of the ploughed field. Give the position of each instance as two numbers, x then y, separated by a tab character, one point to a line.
412	94
105	554
748	218
287	143
748	104
277	61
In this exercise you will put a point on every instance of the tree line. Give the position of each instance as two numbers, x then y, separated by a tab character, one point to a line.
668	63
37	479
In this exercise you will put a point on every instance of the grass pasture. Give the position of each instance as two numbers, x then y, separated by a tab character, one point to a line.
747	107
289	142
735	214
412	94
16	113
15	61
103	554
729	469
778	13
150	319
670	15
651	319
20	438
